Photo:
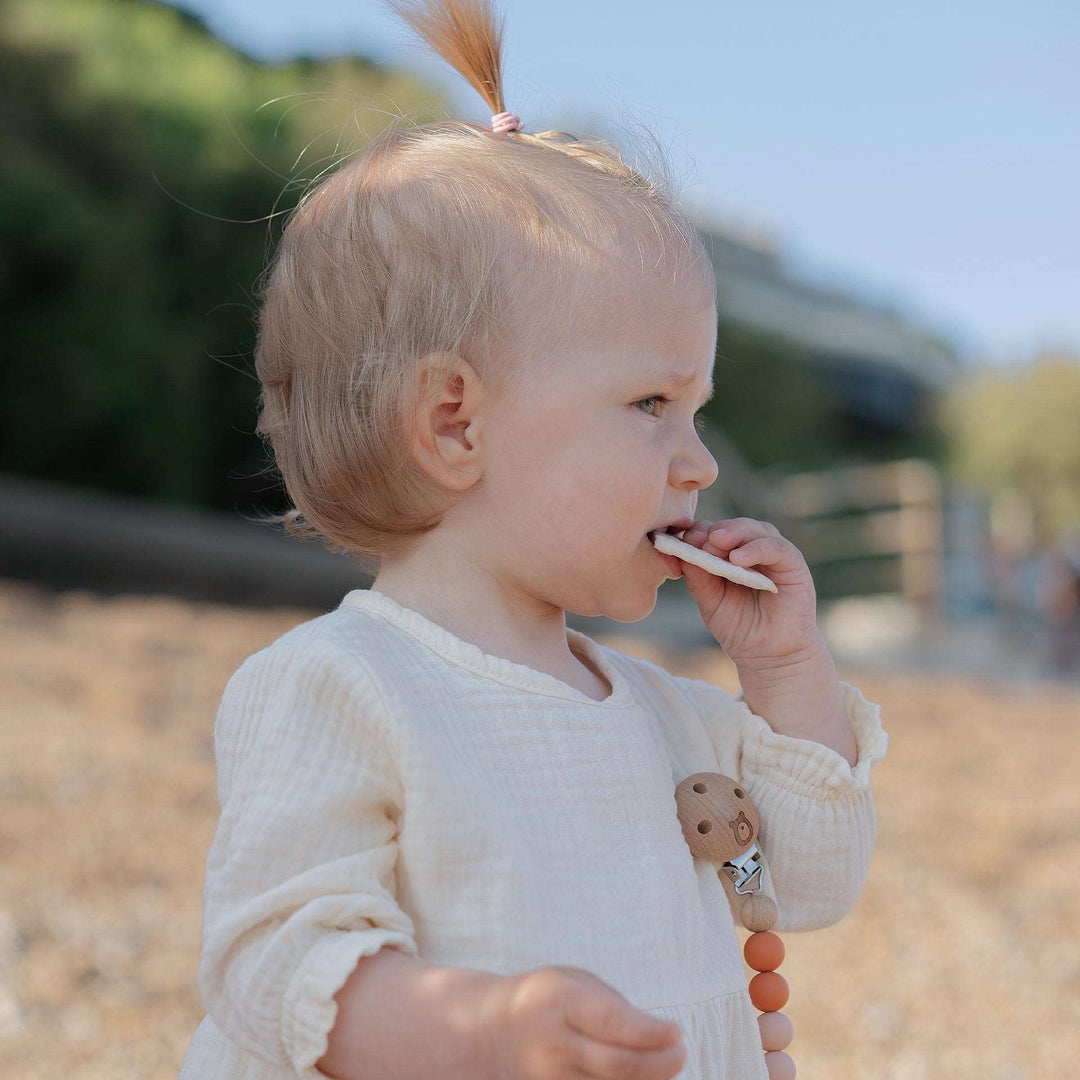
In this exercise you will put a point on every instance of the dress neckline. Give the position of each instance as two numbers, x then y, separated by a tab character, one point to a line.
467	655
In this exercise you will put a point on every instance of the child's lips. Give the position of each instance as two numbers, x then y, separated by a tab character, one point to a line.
676	528
673	562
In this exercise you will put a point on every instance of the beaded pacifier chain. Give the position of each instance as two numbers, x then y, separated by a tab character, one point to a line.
720	823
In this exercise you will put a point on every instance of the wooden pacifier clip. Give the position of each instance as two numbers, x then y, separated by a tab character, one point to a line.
720	824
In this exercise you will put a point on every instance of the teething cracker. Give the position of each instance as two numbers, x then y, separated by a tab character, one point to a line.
713	564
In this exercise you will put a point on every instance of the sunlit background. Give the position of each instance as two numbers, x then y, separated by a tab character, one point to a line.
888	196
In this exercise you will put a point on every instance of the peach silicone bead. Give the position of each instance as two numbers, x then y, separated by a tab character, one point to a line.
780	1066
764	951
776	1029
769	991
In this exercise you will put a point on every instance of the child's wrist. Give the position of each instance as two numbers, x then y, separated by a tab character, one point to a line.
401	1018
802	697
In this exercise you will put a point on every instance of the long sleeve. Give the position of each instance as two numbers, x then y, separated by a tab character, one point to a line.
300	874
818	820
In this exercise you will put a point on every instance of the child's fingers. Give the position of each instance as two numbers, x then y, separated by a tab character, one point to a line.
720	537
764	551
610	1019
733	531
602	1061
697	533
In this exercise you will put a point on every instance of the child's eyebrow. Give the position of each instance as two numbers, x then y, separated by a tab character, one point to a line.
678	378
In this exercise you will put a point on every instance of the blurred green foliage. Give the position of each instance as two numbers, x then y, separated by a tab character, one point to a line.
1018	430
143	161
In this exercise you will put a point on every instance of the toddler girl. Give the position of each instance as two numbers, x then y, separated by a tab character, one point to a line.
448	846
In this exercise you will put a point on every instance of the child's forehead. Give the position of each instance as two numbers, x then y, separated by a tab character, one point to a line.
657	313
666	280
632	303
643	336
618	320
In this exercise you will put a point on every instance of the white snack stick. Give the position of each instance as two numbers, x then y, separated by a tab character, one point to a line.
672	545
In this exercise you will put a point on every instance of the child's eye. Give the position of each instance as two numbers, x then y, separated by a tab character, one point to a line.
653	397
699	416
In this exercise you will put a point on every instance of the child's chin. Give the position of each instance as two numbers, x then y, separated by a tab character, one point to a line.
673	564
632	609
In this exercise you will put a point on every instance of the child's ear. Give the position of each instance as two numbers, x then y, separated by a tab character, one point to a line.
447	444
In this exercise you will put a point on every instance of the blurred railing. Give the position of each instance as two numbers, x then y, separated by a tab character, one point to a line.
67	537
870	529
863	529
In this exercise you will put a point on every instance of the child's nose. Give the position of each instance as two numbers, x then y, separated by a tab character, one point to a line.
697	467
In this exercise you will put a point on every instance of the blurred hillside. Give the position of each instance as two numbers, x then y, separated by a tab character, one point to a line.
146	168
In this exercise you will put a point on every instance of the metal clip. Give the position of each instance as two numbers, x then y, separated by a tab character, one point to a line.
745	871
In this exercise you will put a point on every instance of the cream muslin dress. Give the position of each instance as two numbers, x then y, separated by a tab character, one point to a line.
384	783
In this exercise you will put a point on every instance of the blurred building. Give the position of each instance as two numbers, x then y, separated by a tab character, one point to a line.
880	368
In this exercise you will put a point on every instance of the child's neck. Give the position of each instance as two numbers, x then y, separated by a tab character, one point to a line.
478	611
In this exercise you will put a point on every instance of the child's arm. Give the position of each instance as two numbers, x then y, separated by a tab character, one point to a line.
400	1018
818	821
300	876
803	698
818	825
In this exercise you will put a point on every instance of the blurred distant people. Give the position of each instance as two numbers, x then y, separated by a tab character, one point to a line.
1058	601
1012	540
1035	584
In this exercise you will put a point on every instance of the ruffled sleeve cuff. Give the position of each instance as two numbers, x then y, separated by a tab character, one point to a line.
310	1010
811	768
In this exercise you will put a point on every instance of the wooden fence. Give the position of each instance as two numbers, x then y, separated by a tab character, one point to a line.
874	528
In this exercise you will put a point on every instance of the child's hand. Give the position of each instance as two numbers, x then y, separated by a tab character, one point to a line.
754	626
556	1022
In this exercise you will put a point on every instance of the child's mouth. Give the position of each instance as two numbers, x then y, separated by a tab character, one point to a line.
672	530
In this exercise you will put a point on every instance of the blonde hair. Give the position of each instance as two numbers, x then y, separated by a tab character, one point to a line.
436	240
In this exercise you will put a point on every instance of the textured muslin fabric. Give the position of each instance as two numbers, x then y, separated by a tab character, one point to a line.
383	782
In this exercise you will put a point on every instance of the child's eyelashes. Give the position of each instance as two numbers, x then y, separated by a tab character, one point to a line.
699	416
653	397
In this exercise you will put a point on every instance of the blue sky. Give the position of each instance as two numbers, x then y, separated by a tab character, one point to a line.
925	155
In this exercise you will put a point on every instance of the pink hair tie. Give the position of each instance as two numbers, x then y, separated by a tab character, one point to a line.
505	121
